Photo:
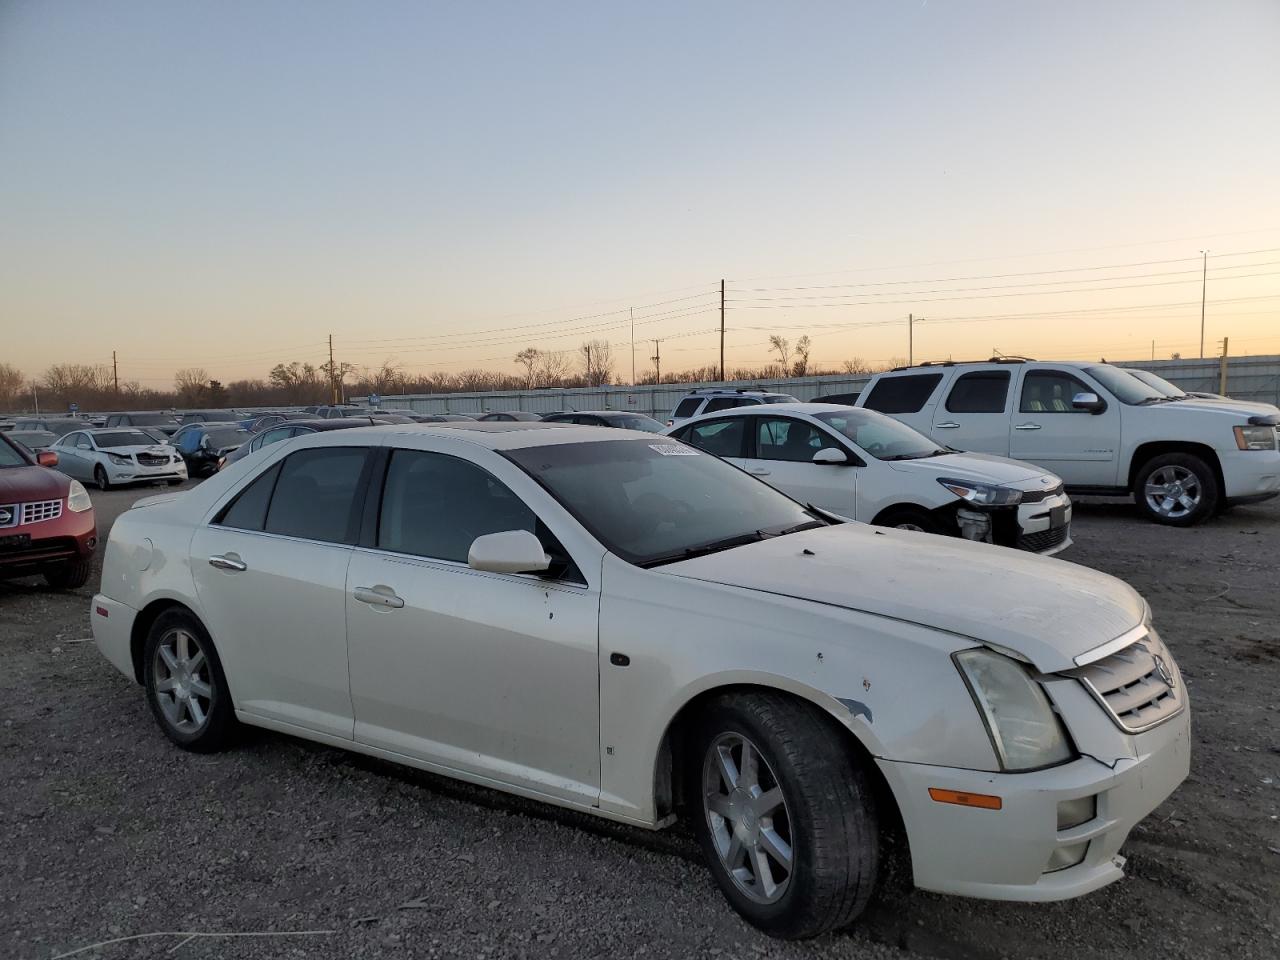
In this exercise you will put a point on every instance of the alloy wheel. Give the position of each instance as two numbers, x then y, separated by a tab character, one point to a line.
1173	492
183	684
748	818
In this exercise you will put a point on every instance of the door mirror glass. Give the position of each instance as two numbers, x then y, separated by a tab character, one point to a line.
830	455
1088	401
511	551
47	458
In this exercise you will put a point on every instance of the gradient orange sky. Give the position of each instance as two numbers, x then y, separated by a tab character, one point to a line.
443	185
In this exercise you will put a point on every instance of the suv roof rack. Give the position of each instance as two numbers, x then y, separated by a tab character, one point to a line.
957	363
729	390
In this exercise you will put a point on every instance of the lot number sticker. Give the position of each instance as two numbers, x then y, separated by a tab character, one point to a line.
673	450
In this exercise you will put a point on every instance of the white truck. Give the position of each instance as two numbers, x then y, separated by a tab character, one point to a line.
1104	431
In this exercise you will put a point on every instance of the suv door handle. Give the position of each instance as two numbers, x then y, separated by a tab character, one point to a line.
228	562
378	596
949	425
1026	426
758	471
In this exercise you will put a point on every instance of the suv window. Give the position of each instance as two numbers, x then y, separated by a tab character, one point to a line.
716	404
984	391
781	438
248	511
435	505
902	394
1050	391
316	494
687	407
722	438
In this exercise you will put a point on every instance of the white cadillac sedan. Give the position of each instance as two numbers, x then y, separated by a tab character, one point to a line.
622	624
901	478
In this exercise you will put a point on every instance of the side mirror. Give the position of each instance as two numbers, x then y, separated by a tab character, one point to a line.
511	551
831	455
1089	401
47	458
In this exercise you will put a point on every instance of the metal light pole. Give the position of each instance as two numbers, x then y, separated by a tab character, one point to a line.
1204	285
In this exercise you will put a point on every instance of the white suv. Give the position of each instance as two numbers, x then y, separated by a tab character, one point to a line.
1096	426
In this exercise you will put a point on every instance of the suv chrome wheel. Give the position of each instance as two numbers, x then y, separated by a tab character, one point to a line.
748	817
1173	491
183	688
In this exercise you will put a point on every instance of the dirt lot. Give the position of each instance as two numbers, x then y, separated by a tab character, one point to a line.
107	831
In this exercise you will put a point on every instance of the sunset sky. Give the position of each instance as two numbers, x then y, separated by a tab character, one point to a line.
443	184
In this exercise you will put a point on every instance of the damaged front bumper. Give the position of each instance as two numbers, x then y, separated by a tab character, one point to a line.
1042	527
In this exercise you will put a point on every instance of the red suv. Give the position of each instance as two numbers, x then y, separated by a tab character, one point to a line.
46	519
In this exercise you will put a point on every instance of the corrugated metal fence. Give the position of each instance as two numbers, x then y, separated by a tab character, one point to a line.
1248	378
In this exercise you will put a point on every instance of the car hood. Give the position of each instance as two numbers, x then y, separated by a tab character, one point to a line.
157	448
21	484
1047	610
973	466
1249	406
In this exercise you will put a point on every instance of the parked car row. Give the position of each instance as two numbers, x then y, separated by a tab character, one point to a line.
629	625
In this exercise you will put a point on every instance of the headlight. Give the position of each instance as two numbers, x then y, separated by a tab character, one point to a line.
117	459
983	494
78	498
1024	729
1255	438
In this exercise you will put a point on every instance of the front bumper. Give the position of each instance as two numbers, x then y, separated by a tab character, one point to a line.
1250	475
1005	854
32	547
136	473
1043	527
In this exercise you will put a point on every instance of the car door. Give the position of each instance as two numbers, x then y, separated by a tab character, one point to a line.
1077	445
488	674
780	451
270	570
70	460
975	414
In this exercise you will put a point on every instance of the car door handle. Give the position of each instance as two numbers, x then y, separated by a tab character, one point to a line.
758	471
1026	426
378	596
949	425
228	562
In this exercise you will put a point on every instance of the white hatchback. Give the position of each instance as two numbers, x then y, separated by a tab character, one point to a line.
901	478
619	623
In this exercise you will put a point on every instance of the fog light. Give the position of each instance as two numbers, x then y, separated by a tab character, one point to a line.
1072	813
974	525
1067	856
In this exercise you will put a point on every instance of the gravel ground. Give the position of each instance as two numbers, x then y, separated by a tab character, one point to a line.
107	831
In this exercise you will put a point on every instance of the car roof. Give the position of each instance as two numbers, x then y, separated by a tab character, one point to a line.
811	409
933	366
498	434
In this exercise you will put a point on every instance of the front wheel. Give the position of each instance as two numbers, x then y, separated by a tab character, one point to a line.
100	477
70	575
185	685
1177	489
785	817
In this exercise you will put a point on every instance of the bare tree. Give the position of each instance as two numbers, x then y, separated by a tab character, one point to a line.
528	358
191	383
553	368
382	380
801	366
783	346
597	362
11	385
856	366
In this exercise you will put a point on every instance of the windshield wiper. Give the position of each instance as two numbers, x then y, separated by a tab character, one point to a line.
702	549
1147	400
797	528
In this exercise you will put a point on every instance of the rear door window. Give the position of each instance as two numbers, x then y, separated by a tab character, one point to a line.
315	496
722	438
906	394
983	391
716	404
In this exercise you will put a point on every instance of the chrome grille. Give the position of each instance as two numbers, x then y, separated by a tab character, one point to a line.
153	459
39	510
1139	686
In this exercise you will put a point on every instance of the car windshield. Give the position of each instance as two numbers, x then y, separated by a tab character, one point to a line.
152	419
227	436
780	398
121	438
10	456
1158	383
658	502
647	424
880	436
1127	389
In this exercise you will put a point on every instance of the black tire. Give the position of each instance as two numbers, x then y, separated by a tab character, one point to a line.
829	814
1176	480
100	477
219	727
910	518
70	575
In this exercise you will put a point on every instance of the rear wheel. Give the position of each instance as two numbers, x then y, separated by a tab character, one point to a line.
67	576
1178	489
910	518
186	688
785	818
100	477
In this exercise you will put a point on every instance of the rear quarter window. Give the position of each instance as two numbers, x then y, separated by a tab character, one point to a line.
688	407
906	394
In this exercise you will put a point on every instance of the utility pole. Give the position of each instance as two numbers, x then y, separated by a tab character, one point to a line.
35	399
722	330
1222	369
633	346
657	361
1204	285
115	375
587	348
910	343
333	373
1153	349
